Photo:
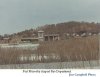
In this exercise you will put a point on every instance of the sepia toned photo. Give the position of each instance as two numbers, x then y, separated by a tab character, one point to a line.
49	34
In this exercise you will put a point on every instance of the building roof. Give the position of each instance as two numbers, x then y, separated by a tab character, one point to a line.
29	38
40	31
51	35
5	38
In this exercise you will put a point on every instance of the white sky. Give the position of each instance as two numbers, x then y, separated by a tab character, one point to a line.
18	15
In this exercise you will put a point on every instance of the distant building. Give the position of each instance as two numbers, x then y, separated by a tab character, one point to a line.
51	37
28	40
41	35
83	35
89	34
6	40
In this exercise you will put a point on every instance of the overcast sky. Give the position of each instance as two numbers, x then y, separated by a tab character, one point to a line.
18	15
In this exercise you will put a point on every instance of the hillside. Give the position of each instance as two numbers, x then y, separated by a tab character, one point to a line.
66	27
59	28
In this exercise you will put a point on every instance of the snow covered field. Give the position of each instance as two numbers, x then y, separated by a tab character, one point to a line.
56	65
23	46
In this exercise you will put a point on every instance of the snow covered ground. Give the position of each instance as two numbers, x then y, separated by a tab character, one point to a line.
56	65
23	46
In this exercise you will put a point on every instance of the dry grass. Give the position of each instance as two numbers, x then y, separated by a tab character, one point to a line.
11	55
75	49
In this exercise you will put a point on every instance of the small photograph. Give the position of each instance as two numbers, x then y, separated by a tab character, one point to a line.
49	34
